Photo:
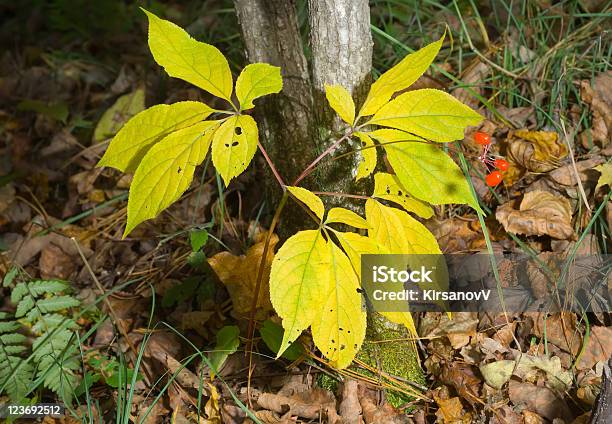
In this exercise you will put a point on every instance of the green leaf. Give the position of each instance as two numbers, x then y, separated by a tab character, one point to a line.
10	276
345	216
57	303
198	239
298	280
400	77
234	145
144	130
397	231
183	57
40	287
368	156
339	328
309	199
272	335
118	114
257	80
167	171
428	113
424	170
341	102
227	343
24	306
388	187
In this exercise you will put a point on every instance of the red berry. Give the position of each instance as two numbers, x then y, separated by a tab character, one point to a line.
482	138
494	178
501	164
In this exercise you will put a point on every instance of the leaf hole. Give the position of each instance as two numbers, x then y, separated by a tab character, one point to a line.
234	144
238	130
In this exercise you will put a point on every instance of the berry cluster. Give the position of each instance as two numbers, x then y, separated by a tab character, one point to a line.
494	177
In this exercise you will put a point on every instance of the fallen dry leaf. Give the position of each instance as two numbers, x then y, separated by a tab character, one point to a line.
450	409
599	98
239	275
541	400
457	235
540	213
535	151
212	406
313	404
464	379
566	175
55	263
560	330
598	348
605	177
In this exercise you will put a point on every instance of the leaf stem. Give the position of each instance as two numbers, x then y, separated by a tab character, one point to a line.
337	194
271	165
330	149
260	271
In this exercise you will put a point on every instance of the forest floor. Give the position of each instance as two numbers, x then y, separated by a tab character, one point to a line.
167	300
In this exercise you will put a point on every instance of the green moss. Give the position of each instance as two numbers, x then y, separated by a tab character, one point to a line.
324	381
387	349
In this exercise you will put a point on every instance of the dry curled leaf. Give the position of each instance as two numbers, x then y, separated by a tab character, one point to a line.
312	404
540	213
540	400
450	409
239	275
599	98
535	151
598	348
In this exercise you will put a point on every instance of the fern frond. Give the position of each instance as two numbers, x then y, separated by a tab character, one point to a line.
15	372
40	287
57	303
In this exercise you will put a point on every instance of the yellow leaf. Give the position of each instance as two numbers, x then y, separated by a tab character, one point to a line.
606	175
404	318
257	80
298	280
345	216
428	113
239	275
424	170
118	114
400	77
368	156
397	231
341	102
234	145
183	57
140	133
388	187
309	199
339	328
355	245
166	172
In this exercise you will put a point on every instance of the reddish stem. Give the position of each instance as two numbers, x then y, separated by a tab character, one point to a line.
309	168
271	165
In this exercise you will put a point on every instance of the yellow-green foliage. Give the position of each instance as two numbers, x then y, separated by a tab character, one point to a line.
314	278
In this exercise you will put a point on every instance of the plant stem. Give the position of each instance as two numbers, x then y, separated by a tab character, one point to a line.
271	165
334	193
330	149
251	328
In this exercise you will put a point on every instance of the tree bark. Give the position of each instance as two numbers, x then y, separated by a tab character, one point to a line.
297	125
341	42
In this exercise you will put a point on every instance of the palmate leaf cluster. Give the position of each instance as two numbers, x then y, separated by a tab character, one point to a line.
52	358
314	280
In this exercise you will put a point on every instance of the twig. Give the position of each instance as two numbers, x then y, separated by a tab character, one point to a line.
330	149
271	165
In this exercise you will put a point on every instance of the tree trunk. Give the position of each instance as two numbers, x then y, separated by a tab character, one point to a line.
297	125
341	42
